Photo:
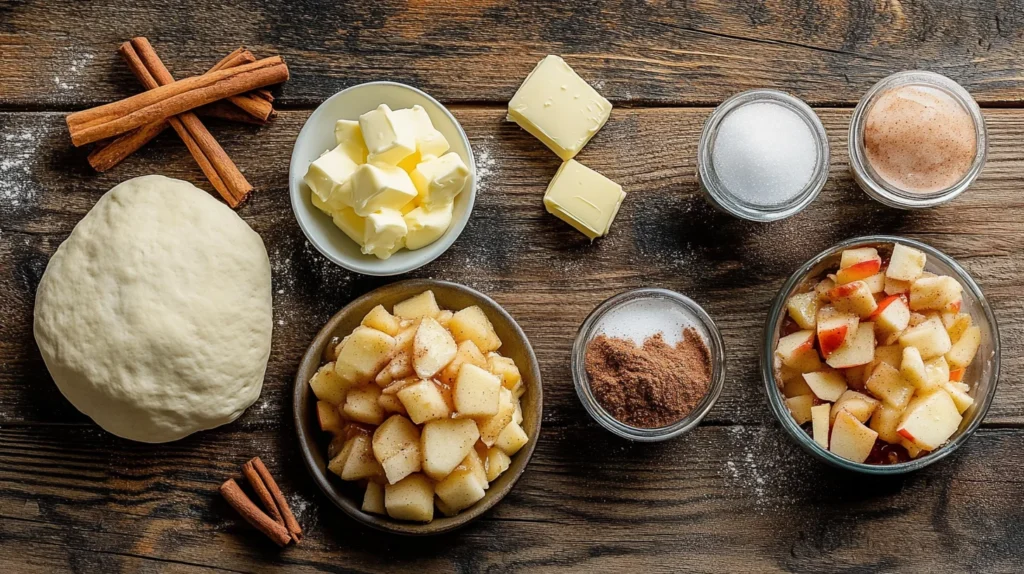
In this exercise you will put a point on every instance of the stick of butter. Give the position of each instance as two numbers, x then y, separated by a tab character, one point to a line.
583	198
558	107
376	187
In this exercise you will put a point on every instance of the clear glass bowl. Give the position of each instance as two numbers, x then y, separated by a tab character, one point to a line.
694	316
877	187
982	375
711	183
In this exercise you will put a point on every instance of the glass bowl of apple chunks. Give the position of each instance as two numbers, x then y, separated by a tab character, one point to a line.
421	405
881	355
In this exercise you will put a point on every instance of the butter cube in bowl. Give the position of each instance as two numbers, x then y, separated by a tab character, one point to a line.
382	178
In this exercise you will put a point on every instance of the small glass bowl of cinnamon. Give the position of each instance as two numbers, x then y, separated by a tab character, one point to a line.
648	364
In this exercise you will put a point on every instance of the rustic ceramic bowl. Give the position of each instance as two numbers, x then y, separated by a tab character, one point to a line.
313	442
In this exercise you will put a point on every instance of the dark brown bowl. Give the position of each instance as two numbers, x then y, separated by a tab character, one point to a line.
313	441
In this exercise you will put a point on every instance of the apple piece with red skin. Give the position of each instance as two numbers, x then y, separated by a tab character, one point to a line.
850	257
859	271
957	375
823	287
934	293
906	263
891	317
851	439
827	385
859	351
930	420
797	351
955	306
854	297
834	329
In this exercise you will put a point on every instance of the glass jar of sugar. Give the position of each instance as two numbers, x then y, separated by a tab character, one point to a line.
763	155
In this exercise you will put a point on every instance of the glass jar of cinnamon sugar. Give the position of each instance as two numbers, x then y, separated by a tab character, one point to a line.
648	364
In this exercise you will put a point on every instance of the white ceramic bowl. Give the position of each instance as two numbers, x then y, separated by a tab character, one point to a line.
317	136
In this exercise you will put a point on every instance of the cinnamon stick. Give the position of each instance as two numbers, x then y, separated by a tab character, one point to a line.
260	488
291	524
252	104
116	118
233	180
234	495
104	157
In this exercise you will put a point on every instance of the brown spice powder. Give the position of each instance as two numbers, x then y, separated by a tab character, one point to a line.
649	386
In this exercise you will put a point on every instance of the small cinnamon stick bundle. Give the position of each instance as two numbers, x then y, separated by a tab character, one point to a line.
278	523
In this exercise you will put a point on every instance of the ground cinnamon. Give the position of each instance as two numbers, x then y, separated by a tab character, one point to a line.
652	385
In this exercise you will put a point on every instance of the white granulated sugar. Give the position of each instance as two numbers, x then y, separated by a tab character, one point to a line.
68	78
484	163
643	318
764	153
767	466
18	150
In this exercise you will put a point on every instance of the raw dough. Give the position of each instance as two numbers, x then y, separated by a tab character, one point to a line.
154	316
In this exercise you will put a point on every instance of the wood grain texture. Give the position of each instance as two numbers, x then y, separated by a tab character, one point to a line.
62	53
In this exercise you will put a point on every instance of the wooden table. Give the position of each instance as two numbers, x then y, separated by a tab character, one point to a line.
736	495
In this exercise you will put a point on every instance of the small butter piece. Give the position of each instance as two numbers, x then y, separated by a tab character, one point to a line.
375	187
328	173
350	223
439	179
390	137
426	227
583	198
558	107
429	141
385	230
349	136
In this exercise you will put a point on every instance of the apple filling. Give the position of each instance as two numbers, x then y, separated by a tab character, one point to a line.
873	357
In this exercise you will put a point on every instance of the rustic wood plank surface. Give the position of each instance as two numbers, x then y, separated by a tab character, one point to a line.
734	496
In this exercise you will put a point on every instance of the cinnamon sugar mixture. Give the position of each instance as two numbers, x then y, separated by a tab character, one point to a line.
649	386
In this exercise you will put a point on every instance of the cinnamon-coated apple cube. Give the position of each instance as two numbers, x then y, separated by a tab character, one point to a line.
875	283
396	445
855	376
936	372
406	336
912	449
336	445
476	392
930	420
803	308
820	423
512	438
328	386
906	263
496	463
850	257
889	354
858	264
854	297
859	405
391	404
933	293
517	414
379	318
796	387
472	324
337	462
891	317
490	427
834	328
361	405
930	338
360	462
411	498
444	317
917	318
896	287
961	399
399	367
373	499
423	401
859	351
800	408
474	461
462	488
468	353
887	384
506	370
823	287
797	349
445	443
850	438
961	354
362	354
432	348
826	385
422	305
957	324
957	375
912	368
329	417
884	421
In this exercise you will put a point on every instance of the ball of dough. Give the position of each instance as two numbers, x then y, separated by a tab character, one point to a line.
154	316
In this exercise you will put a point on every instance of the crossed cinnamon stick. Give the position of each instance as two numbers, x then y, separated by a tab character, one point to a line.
277	523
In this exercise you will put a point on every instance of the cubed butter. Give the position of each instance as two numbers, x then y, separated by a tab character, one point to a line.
558	107
351	224
349	136
328	173
390	137
378	186
385	230
426	227
583	198
429	141
439	179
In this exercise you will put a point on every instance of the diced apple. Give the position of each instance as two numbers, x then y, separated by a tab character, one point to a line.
362	354
961	399
506	370
917	318
418	307
887	384
329	417
890	354
796	387
896	287
423	401
930	338
936	372
859	264
490	427
517	414
467	353
850	438
957	375
406	336
859	351
913	450
803	308
957	324
800	407
933	293
396	445
444	317
328	386
854	297
797	349
391	404
361	405
891	317
820	423
337	462
823	287
851	257
444	443
476	392
834	329
884	422
875	283
512	438
432	348
826	385
962	353
906	263
496	463
857	404
373	499
855	376
399	367
360	462
912	368
379	318
472	324
463	487
930	420
336	445
412	498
